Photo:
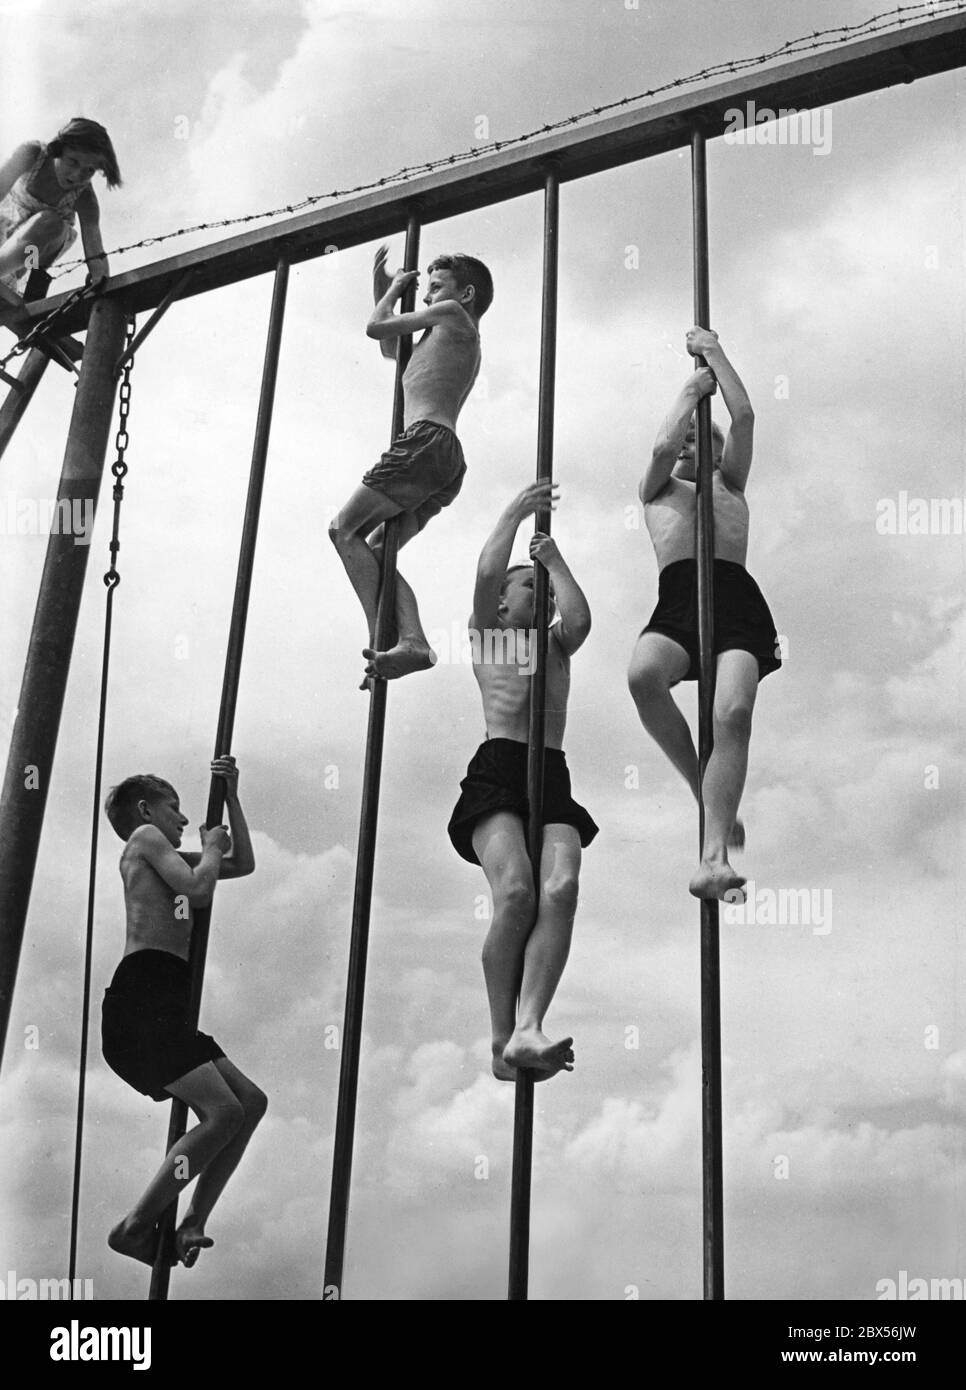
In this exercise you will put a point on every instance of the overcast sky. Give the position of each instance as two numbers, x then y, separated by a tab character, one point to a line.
837	286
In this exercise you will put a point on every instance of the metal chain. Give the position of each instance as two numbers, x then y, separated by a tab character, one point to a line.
43	326
119	466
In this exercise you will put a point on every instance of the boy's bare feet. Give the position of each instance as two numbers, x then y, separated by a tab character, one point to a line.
406	656
129	1238
504	1072
714	879
530	1048
189	1241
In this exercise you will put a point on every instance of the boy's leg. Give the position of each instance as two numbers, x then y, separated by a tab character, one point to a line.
221	1116
736	686
499	844
366	512
658	662
254	1103
410	650
546	954
363	512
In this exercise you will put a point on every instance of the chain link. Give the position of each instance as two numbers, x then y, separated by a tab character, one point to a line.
43	326
119	467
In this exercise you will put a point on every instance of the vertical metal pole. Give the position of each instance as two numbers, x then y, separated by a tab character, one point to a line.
161	1272
32	747
704	551
366	855
18	397
523	1103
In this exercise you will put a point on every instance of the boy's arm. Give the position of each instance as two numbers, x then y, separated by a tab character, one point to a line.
670	439
736	458
572	606
385	323
18	163
89	216
495	555
240	861
194	875
381	280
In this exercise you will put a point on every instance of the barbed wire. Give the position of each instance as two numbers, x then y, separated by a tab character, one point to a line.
833	37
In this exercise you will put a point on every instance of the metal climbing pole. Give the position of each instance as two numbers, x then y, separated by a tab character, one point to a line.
365	858
31	758
161	1272
523	1106
704	551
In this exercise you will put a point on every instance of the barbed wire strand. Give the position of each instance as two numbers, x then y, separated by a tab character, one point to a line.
820	38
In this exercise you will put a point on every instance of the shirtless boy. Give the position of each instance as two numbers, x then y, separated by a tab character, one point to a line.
145	1033
745	642
529	938
423	469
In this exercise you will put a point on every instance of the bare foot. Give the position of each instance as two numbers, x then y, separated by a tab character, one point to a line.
189	1241
736	839
400	660
530	1048
504	1072
129	1238
714	879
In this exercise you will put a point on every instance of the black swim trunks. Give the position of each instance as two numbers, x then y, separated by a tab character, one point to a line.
144	1024
742	620
421	471
496	780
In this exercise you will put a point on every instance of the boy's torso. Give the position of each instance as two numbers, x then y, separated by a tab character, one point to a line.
157	918
441	373
670	522
502	667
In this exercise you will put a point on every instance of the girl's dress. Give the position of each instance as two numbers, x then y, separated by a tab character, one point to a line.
19	205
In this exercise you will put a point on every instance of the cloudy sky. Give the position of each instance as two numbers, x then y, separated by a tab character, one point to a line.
838	290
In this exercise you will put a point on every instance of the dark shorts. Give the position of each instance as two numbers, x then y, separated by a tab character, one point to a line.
421	471
496	780
742	620
144	1024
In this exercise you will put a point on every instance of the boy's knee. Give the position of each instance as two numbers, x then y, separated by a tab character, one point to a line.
734	717
229	1116
647	683
516	897
336	534
256	1104
561	892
